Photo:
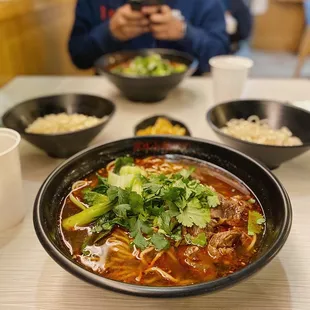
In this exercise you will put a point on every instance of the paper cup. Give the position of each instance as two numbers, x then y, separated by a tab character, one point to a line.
229	74
12	208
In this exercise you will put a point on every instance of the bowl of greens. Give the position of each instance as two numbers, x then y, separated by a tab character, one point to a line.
146	75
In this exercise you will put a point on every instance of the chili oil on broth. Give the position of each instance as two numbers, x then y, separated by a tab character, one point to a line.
116	258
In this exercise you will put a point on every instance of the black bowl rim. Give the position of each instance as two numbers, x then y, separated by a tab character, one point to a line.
218	131
188	132
191	68
162	292
64	133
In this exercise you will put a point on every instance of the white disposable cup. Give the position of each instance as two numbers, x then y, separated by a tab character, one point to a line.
229	74
12	207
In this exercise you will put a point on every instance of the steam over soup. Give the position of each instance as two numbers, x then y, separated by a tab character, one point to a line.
159	222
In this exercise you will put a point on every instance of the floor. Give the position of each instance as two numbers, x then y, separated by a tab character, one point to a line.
276	65
273	64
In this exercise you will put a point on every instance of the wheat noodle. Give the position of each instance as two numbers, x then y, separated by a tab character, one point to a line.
258	131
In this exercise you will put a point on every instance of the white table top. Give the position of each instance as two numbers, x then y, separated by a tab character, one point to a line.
30	279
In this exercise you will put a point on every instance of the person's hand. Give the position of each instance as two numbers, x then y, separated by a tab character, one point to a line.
164	25
127	24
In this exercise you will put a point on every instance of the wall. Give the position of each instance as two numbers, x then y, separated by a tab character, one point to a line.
281	27
33	38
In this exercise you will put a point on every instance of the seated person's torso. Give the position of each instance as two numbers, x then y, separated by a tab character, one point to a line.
104	9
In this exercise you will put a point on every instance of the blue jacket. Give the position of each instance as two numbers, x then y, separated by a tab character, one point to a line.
241	12
91	38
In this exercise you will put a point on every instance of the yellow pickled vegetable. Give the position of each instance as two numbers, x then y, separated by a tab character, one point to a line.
162	127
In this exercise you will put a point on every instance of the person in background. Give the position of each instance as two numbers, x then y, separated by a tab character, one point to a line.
105	26
240	11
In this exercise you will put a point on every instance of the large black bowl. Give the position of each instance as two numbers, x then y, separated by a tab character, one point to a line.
145	89
259	179
59	145
278	115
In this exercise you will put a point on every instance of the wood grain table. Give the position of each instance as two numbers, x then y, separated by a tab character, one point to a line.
30	279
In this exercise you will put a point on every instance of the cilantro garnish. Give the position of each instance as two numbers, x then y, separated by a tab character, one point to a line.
121	210
140	241
194	214
255	222
122	161
177	234
160	242
154	207
199	240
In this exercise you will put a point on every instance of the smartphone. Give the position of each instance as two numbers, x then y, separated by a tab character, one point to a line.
154	2
136	5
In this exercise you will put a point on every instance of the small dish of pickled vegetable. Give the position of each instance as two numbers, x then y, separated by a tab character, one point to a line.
161	125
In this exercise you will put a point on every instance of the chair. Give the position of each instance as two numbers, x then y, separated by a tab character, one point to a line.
304	48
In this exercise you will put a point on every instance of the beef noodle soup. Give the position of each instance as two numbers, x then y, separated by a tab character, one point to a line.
159	222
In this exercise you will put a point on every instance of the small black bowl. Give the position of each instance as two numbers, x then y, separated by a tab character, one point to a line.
152	120
145	89
65	144
278	115
257	177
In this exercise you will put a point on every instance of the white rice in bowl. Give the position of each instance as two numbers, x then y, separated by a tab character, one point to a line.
62	123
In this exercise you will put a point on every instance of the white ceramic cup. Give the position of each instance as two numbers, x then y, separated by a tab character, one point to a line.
12	208
229	74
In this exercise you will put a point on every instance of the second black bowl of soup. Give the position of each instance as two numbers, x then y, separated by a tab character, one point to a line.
145	88
171	217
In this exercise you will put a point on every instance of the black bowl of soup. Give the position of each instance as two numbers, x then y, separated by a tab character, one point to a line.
273	132
146	75
162	216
